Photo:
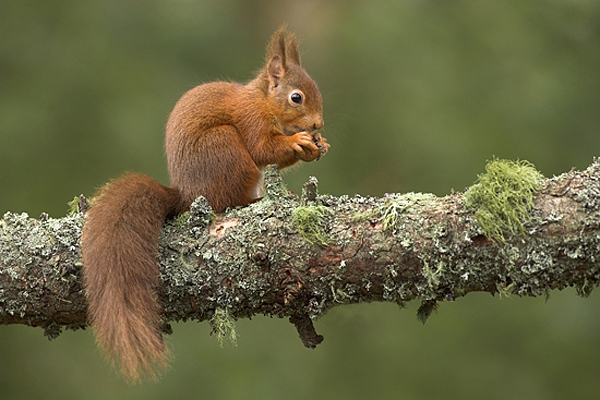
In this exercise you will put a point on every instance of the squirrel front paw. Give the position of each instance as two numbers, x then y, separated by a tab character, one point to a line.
309	146
321	144
305	147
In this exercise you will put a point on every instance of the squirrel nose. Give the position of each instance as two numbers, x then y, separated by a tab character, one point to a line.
318	124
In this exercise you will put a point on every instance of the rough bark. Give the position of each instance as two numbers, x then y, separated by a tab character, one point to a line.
256	260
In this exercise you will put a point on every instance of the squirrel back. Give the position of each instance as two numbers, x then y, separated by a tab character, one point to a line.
219	138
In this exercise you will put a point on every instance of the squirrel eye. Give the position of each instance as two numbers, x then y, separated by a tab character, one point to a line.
296	98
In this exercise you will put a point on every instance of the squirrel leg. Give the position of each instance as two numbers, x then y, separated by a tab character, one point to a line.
227	178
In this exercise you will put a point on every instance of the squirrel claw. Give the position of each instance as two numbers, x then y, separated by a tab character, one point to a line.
321	144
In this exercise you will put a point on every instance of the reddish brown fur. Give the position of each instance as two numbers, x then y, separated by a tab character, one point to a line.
219	138
120	242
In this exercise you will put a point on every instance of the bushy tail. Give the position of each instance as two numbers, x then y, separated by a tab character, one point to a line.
119	245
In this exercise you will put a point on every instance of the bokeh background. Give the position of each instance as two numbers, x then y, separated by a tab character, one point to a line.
417	95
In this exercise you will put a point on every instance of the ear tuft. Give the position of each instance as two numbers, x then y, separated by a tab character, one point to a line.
281	52
292	49
276	46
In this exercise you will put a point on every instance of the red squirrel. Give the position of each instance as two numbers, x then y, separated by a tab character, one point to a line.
219	138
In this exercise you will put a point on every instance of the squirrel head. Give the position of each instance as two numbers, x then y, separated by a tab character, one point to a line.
293	97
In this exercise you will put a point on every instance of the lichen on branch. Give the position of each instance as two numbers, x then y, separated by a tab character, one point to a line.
255	259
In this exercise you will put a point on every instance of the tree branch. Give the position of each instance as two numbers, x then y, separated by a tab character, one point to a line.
296	257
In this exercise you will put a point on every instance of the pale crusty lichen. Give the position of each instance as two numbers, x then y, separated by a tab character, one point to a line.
40	271
432	252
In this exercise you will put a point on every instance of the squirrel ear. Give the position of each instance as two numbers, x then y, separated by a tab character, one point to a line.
275	71
276	47
282	49
292	50
276	60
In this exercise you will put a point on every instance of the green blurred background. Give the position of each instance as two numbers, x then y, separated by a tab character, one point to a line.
417	96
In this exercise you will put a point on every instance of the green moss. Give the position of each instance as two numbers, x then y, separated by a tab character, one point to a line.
393	207
182	219
585	288
503	196
390	213
338	295
505	291
223	326
360	217
426	309
432	275
73	206
309	221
